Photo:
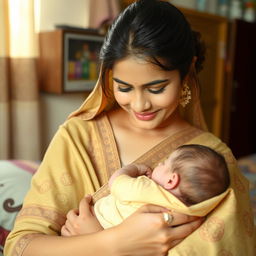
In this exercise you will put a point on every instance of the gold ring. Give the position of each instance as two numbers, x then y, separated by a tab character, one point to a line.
168	218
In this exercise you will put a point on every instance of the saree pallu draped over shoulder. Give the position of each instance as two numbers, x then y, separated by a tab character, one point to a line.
78	161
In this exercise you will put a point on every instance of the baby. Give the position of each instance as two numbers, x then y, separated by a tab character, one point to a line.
191	174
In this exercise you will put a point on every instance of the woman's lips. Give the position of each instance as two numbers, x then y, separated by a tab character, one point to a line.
145	116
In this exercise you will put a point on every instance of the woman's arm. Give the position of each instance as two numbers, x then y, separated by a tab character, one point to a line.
144	233
100	243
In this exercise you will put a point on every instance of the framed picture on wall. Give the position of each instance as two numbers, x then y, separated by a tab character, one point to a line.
81	61
68	60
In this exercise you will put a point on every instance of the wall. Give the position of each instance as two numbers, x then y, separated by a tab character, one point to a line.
54	111
69	12
55	108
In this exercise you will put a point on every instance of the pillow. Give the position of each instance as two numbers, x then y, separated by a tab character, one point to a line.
15	177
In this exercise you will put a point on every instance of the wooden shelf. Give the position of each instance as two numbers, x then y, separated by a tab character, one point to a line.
55	48
51	61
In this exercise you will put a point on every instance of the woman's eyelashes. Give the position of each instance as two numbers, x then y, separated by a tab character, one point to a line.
156	90
149	89
124	89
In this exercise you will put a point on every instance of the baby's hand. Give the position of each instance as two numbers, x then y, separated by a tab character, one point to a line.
144	170
132	170
82	221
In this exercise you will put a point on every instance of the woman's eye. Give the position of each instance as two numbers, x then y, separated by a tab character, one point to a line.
124	89
156	90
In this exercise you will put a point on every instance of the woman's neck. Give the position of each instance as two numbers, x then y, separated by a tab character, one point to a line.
133	142
170	126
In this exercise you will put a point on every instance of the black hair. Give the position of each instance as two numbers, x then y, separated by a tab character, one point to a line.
155	31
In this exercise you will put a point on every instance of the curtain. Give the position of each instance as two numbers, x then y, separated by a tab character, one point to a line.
19	94
103	12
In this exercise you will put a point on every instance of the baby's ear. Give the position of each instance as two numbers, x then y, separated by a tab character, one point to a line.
173	181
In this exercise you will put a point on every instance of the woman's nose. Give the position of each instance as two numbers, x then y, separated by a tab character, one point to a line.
140	102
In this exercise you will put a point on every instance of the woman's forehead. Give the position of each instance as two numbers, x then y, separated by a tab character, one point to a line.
134	69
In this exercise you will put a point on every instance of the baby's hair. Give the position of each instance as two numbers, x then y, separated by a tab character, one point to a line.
204	173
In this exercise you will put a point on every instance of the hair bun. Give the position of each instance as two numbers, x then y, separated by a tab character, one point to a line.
200	50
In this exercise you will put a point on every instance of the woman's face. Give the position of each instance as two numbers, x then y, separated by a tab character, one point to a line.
148	94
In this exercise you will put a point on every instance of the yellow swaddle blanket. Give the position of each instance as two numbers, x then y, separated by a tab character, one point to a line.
212	238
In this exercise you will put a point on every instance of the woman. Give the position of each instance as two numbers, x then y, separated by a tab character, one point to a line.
144	105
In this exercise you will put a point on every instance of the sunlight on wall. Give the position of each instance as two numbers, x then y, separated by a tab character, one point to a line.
3	44
37	11
69	12
20	13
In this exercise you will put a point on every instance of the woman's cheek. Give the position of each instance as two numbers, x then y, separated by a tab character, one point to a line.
168	100
122	98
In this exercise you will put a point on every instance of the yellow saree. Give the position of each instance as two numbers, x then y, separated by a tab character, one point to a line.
83	154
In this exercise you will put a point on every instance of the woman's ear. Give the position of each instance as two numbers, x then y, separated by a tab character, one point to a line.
173	181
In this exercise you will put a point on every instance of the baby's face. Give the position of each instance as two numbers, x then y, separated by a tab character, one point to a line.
162	172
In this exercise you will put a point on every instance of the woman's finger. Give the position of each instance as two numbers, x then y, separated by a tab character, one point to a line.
70	226
151	208
85	207
175	242
179	218
65	231
184	230
72	214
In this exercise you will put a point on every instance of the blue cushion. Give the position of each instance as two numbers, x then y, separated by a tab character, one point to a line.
15	178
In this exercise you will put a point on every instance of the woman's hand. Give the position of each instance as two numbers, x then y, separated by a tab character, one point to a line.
81	221
146	233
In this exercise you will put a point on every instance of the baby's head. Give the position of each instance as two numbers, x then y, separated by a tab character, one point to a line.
193	173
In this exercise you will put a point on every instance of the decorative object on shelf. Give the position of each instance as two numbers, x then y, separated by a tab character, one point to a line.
249	11
236	11
80	61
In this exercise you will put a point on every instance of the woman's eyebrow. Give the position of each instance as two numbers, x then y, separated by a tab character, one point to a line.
156	82
120	81
147	84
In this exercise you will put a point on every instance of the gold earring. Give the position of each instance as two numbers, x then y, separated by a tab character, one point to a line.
185	95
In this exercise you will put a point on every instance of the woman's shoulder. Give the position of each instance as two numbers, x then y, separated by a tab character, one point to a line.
76	126
210	140
77	122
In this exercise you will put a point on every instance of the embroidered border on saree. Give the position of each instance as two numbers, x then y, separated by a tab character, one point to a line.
152	157
22	243
35	211
43	213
